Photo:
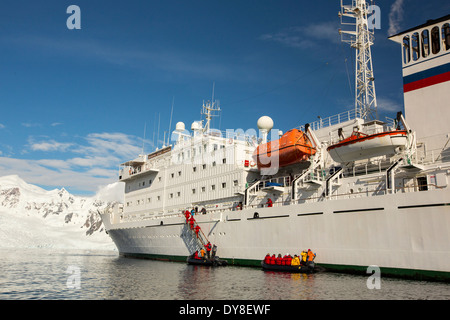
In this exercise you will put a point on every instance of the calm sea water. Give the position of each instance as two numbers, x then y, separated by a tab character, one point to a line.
79	275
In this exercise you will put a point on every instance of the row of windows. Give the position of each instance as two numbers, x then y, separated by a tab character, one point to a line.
425	43
178	193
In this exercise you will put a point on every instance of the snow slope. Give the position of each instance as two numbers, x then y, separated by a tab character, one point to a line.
32	217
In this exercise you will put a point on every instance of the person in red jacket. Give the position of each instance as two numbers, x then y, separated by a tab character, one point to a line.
208	249
289	260
269	202
197	229
187	214
191	222
273	259
279	259
267	259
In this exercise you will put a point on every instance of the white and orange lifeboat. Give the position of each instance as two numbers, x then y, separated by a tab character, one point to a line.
293	147
361	146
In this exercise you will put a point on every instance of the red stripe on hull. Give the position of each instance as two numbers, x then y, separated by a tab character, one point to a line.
426	82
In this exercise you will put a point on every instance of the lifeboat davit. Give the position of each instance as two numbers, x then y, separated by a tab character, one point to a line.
361	146
293	147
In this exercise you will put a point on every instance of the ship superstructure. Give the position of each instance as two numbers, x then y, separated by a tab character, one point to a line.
383	201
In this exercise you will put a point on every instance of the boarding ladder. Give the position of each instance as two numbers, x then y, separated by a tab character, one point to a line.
201	238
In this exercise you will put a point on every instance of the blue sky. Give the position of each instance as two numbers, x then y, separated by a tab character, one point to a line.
74	103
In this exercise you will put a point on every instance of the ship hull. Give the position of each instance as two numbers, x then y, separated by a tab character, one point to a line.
404	234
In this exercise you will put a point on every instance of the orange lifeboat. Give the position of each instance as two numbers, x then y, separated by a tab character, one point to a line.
293	147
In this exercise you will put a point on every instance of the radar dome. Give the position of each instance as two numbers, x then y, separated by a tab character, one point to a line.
195	126
265	123
180	127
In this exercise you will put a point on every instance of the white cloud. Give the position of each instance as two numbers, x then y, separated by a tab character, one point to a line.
305	36
388	105
395	17
50	145
96	161
2	126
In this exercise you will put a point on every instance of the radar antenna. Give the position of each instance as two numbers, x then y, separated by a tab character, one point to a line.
361	39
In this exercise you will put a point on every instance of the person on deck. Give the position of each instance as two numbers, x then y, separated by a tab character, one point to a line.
269	203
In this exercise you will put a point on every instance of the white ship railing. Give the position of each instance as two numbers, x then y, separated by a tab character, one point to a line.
333	120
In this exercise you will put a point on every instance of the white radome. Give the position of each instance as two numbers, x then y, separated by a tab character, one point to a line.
265	123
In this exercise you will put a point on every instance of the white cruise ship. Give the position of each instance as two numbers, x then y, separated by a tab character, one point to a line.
356	190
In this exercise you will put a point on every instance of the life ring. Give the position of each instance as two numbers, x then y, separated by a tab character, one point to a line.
252	164
230	141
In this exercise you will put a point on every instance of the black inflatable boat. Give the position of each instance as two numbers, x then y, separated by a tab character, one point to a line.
308	268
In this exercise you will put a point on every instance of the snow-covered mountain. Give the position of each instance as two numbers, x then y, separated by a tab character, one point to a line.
33	217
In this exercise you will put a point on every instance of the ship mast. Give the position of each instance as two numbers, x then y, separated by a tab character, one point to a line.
361	39
210	109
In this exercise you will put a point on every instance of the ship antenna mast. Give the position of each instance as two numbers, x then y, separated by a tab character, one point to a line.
361	39
209	109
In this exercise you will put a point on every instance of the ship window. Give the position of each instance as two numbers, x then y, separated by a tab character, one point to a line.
194	169
446	36
224	185
204	166
425	43
435	40
224	160
193	191
214	164
179	173
171	195
422	183
203	189
406	50
415	46
149	200
172	175
213	187
178	194
235	183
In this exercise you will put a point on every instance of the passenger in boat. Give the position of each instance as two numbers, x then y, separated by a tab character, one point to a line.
196	255
288	259
311	255
202	254
304	256
279	259
208	249
267	259
295	261
239	206
192	212
273	259
269	203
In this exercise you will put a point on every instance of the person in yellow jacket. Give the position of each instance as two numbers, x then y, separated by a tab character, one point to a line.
295	261
304	255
